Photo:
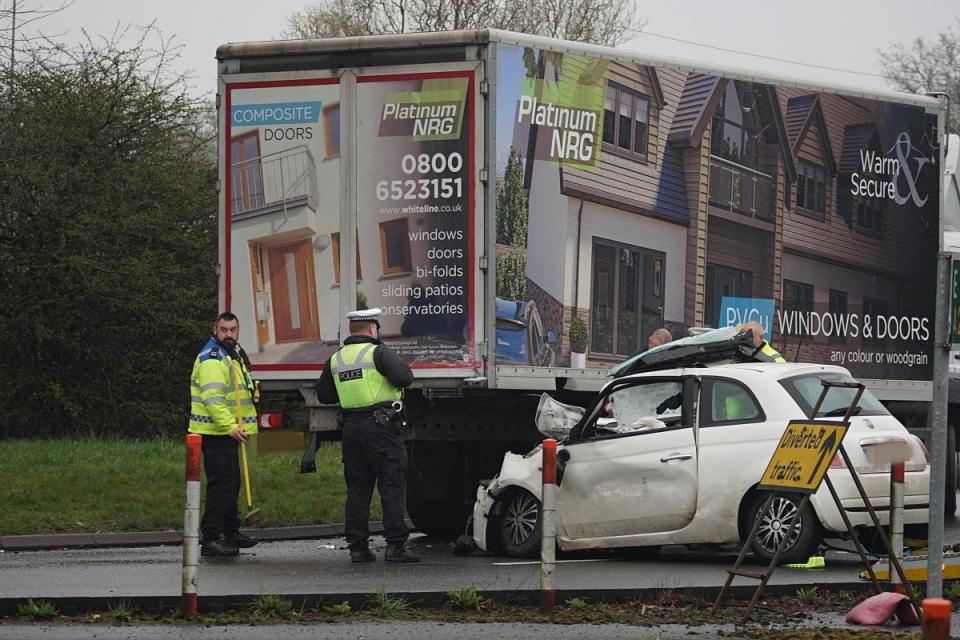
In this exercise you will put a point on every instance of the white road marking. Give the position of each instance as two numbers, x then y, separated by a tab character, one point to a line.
528	562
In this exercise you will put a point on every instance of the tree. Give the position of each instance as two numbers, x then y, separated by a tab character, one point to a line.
15	16
928	65
512	211
606	22
108	243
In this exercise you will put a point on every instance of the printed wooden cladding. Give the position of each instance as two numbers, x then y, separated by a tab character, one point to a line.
657	186
692	109
833	237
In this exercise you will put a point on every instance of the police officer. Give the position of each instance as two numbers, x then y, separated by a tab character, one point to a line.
367	379
764	352
219	375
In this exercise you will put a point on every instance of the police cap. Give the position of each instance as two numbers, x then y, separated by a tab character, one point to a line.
365	315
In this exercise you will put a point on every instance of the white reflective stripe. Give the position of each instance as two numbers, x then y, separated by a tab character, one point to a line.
363	354
213	400
246	401
196	399
213	385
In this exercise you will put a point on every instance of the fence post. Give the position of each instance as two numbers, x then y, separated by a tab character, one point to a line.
191	527
548	535
897	477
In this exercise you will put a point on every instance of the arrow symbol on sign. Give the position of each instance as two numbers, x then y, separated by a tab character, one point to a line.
825	448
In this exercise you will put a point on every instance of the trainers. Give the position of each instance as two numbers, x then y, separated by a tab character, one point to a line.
218	548
362	555
396	553
240	540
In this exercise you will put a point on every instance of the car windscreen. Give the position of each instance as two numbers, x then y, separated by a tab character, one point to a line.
806	389
511	340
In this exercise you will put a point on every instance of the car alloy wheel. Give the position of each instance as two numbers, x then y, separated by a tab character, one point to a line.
776	522
519	524
520	519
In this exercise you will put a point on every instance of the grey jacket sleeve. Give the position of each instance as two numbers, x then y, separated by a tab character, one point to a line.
326	390
396	370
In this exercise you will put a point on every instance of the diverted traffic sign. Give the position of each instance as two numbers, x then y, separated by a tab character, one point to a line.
803	456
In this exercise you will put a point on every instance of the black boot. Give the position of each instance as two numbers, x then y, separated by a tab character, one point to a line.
397	553
240	540
362	555
218	548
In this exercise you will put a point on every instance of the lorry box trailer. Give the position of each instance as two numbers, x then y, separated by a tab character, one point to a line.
528	211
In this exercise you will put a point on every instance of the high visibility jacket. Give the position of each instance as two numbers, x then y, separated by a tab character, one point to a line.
357	380
768	353
216	382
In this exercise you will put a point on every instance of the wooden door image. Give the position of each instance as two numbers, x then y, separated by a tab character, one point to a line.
261	310
293	290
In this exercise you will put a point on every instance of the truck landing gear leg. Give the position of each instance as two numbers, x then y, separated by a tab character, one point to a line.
308	463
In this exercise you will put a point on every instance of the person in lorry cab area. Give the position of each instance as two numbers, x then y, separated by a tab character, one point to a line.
367	379
219	376
764	352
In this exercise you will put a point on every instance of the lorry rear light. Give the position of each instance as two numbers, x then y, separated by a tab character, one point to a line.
837	462
271	420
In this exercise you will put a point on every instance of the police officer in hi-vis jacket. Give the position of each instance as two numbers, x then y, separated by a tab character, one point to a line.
219	376
367	379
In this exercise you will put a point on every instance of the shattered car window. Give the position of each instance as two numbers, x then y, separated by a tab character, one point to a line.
647	406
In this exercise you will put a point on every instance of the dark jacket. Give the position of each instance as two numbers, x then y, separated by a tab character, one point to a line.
387	362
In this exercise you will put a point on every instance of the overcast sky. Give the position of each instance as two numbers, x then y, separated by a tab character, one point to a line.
833	33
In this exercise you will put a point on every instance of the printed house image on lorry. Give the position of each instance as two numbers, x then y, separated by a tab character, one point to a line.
719	201
282	225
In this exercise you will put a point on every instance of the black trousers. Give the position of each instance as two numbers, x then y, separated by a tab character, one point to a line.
373	455
222	468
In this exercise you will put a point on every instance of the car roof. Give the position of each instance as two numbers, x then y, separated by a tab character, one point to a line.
511	309
774	370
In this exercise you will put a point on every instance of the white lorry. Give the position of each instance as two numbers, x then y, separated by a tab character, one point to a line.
528	211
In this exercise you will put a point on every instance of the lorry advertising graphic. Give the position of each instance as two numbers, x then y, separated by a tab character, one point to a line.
527	212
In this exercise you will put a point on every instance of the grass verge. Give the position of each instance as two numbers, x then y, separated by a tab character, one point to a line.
89	486
775	617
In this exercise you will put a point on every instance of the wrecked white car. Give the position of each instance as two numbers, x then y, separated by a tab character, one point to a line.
674	457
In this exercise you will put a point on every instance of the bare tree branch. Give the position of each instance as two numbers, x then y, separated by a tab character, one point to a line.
925	65
606	22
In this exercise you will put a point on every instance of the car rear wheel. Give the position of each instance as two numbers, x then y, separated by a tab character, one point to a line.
804	535
518	524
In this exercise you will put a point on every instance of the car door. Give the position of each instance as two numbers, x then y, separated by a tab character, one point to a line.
632	466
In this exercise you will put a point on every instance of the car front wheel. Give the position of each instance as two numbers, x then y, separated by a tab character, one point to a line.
775	525
518	524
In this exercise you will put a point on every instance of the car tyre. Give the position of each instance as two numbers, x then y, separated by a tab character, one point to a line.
805	536
518	524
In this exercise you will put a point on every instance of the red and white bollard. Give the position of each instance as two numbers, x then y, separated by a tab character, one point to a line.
191	527
548	535
897	478
936	619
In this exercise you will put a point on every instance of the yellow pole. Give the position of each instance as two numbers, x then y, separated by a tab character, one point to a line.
243	445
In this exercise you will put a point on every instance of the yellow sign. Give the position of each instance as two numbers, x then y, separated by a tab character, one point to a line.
803	456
